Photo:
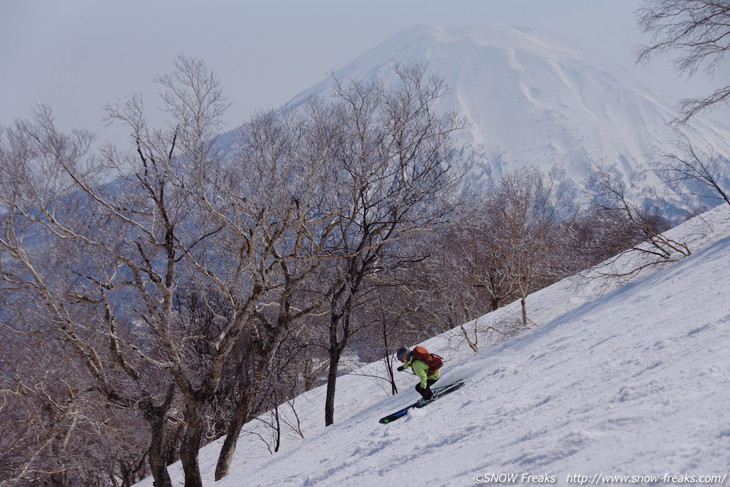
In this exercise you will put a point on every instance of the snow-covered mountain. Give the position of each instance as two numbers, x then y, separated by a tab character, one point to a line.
620	382
534	100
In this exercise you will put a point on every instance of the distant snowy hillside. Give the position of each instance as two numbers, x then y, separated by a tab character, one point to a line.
534	100
620	378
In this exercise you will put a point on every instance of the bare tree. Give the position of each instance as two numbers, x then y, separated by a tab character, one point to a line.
441	288
42	269
391	159
530	210
282	163
698	31
173	217
599	232
58	427
68	262
639	226
696	170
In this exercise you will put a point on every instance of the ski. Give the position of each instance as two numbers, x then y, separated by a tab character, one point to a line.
437	393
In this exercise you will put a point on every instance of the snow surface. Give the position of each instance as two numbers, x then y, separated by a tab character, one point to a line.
619	377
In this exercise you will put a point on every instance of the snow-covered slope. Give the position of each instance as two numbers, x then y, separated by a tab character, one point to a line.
619	378
534	100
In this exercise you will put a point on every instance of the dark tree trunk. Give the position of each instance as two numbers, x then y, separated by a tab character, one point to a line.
232	434
329	406
191	444
157	453
523	303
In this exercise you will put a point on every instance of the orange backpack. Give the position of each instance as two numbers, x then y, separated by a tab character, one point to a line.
433	361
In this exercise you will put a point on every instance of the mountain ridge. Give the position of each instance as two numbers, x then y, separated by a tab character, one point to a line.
535	100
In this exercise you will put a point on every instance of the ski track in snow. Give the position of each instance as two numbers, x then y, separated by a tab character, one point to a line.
629	378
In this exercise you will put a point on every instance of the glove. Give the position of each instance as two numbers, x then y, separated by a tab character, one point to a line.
401	369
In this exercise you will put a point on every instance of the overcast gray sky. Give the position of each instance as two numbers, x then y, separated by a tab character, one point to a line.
78	55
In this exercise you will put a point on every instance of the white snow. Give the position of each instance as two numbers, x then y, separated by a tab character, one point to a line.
619	377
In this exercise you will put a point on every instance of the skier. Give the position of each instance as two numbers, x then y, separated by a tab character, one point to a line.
421	370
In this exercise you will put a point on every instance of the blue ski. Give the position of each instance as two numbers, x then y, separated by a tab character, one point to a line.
437	393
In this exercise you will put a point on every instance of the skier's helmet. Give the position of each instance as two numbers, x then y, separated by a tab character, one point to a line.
402	354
